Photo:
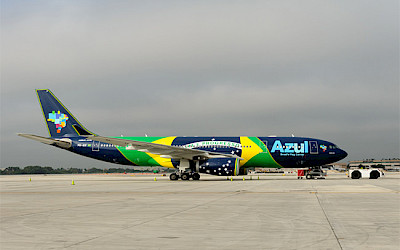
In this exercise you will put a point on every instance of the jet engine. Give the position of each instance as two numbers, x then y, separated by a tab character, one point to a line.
219	166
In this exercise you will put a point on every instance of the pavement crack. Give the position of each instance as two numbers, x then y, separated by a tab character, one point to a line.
327	219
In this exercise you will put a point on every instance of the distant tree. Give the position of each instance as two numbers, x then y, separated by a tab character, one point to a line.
115	170
60	171
74	171
11	170
49	170
37	170
95	170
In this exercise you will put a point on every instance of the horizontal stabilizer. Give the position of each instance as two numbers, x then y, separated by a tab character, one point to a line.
63	143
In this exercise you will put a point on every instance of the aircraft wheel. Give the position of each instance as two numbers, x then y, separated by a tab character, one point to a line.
196	176
173	177
308	176
185	176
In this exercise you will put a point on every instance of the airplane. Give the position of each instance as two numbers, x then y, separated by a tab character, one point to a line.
190	156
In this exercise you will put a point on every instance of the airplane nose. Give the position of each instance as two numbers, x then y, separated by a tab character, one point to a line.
343	154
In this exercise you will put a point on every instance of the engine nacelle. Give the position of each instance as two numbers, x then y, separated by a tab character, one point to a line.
220	166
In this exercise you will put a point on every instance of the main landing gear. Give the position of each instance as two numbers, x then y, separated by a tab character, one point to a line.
185	176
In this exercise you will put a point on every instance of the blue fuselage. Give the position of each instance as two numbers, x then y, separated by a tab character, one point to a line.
273	152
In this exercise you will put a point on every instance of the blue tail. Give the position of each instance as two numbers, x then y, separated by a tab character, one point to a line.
60	122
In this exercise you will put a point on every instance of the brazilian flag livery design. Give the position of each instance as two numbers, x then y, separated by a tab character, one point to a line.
252	149
207	154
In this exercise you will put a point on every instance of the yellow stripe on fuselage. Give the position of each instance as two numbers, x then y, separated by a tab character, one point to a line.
165	162
249	149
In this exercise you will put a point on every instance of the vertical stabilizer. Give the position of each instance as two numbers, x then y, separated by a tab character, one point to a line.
60	122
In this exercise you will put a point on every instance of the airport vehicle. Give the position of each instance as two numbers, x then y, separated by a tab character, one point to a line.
371	173
189	155
311	173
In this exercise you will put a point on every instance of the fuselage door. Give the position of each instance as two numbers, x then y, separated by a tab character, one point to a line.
313	147
95	146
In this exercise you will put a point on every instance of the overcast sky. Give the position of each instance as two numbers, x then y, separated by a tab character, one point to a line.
323	69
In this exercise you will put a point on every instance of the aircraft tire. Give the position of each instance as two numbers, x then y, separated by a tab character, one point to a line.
185	177
173	177
308	176
196	176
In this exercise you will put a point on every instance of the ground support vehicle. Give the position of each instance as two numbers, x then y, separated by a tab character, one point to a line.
311	173
371	173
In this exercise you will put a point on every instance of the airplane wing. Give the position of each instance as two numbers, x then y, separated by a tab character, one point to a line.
63	143
164	151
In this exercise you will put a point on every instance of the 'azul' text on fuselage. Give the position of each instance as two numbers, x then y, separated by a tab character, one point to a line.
290	148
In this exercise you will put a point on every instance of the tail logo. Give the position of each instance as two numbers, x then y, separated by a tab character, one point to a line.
59	119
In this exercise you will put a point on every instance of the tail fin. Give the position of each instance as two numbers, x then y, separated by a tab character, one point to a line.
60	122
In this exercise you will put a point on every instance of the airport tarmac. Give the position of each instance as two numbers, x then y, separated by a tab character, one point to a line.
136	212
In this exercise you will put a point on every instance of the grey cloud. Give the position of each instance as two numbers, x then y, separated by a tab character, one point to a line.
324	69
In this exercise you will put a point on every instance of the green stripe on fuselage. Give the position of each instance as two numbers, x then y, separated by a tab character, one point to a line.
263	159
137	157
